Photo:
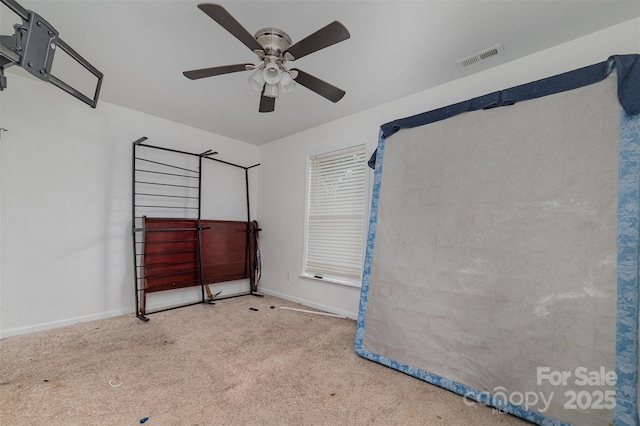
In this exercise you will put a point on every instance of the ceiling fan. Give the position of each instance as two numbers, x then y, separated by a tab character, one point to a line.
274	49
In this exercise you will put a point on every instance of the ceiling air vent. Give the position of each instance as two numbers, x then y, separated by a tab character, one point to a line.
496	50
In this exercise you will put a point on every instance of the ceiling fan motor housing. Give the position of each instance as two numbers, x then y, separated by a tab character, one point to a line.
273	41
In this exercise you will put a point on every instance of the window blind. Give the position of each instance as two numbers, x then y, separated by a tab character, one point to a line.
336	213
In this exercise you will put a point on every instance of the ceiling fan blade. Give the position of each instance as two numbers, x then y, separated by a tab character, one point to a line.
333	33
267	104
321	87
229	23
210	72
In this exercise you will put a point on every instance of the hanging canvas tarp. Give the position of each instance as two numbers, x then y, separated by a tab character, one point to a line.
502	260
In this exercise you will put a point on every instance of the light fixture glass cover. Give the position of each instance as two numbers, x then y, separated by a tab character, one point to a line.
273	79
272	90
287	84
271	73
256	80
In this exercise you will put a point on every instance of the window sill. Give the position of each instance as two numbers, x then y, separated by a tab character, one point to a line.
334	280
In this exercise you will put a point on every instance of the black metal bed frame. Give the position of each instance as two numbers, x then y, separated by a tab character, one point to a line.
137	208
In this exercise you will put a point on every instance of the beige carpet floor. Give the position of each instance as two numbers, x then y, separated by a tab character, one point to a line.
216	365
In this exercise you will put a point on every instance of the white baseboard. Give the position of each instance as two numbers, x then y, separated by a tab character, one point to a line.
61	323
156	300
351	315
168	302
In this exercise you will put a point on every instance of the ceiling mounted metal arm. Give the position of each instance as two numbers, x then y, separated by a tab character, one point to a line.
33	46
17	9
229	23
7	55
93	70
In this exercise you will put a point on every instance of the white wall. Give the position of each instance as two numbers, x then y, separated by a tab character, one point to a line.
281	191
65	186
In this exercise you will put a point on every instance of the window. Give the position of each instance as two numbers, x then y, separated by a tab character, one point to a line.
335	223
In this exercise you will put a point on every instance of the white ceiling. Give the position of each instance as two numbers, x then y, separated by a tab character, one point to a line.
396	48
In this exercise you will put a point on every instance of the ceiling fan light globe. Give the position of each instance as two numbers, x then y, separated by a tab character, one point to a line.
272	73
256	80
287	85
272	90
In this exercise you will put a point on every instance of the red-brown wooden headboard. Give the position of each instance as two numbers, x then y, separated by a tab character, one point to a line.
171	258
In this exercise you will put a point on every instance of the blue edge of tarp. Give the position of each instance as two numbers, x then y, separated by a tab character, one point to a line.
628	230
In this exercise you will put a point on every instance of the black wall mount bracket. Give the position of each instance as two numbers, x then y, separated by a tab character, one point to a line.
33	46
36	41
